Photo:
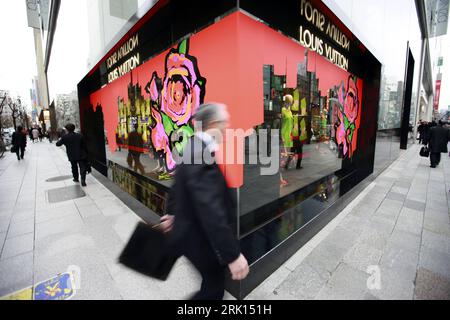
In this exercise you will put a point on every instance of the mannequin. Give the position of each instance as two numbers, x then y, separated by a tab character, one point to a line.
287	126
287	123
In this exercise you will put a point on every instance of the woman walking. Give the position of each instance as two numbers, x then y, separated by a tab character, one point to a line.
19	142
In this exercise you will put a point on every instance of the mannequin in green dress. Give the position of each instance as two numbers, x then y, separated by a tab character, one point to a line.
287	126
287	122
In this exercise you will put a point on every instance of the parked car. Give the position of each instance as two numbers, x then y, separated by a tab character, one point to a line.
7	138
9	130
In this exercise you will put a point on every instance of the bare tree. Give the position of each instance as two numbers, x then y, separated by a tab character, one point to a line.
2	105
15	105
67	109
63	110
6	121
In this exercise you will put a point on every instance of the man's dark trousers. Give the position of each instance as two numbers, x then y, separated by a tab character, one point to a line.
203	208
213	278
82	165
435	158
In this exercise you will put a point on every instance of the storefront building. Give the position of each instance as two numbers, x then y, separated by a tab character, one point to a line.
396	32
308	92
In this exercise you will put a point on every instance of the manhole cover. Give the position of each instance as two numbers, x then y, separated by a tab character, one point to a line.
59	178
65	193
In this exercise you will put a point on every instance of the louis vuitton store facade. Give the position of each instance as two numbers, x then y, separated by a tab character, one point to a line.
294	78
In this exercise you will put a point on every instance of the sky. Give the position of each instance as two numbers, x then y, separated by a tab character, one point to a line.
70	50
68	62
17	55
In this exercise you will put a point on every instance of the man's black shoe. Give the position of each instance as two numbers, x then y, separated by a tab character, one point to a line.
432	166
83	184
76	180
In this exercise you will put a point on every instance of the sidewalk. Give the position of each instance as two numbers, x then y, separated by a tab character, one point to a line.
39	240
396	231
399	224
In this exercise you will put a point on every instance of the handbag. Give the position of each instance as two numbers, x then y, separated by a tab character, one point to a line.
424	152
88	167
149	252
14	149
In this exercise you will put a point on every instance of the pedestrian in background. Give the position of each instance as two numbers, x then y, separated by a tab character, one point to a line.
119	141
50	134
439	137
76	152
19	142
40	134
420	130
35	133
426	133
200	208
30	133
135	149
410	131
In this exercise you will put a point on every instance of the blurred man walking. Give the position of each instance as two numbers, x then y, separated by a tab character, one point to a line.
200	208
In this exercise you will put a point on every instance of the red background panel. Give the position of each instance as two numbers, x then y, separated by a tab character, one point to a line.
230	55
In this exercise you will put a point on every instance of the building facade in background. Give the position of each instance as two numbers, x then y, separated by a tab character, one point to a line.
437	21
37	14
59	64
105	20
6	114
35	100
394	31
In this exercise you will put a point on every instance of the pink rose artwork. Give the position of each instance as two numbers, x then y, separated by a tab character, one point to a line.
348	103
174	100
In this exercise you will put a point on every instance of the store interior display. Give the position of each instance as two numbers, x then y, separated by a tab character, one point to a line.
317	129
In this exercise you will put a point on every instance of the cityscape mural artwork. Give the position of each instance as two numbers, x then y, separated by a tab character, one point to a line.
331	117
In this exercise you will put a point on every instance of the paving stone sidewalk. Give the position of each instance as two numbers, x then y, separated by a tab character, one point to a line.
398	226
39	240
391	242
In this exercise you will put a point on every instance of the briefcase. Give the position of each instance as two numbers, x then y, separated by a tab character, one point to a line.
149	252
424	152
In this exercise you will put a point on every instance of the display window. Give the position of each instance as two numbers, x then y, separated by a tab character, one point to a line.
267	81
318	128
317	108
302	89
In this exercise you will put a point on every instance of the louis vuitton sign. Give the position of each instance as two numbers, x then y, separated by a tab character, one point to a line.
124	59
316	42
